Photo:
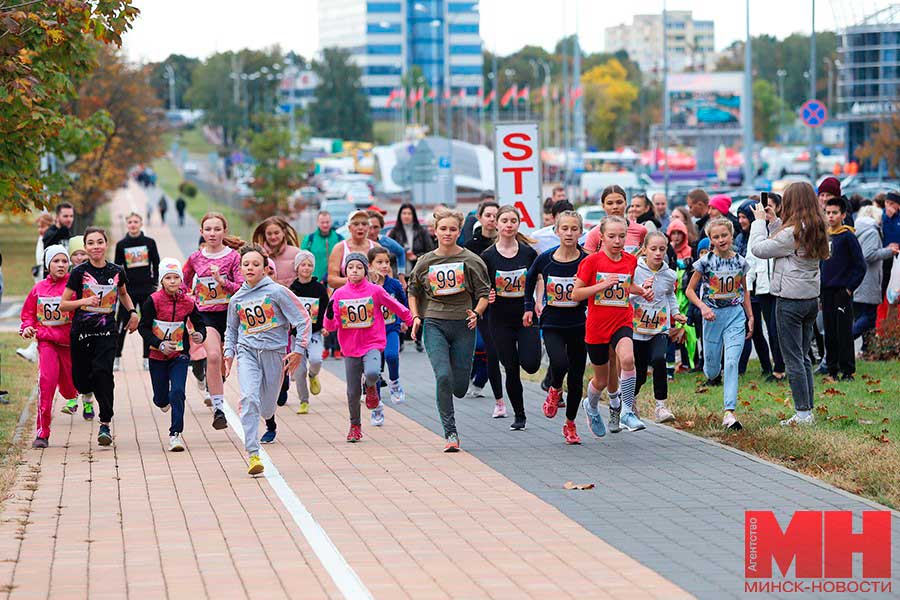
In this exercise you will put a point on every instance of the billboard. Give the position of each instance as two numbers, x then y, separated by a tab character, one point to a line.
705	100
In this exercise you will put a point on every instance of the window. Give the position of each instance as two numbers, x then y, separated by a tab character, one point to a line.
464	28
383	49
382	70
390	28
465	49
466	70
379	91
458	7
383	7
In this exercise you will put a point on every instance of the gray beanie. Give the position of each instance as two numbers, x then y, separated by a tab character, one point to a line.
358	256
304	255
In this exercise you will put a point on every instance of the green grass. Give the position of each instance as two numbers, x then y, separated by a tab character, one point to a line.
190	139
169	179
18	236
19	378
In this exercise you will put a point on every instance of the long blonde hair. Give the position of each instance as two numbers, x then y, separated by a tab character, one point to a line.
290	234
231	241
520	237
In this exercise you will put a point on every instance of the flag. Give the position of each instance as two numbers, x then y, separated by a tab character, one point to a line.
446	94
491	98
391	98
577	92
509	95
432	95
460	96
524	94
545	91
420	95
555	94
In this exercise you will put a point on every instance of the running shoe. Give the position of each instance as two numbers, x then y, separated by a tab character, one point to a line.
551	403
796	421
336	354
631	422
398	396
729	421
117	364
570	433
146	364
848	377
304	408
614	414
87	411
664	415
324	354
256	467
452	444
70	407
545	382
207	399
355	434
378	416
29	353
476	392
499	409
518	424
104	437
714	382
372	399
594	419
40	443
219	420
314	386
175	443
268	437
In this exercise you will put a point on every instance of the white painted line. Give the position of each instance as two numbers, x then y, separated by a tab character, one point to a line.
343	575
12	310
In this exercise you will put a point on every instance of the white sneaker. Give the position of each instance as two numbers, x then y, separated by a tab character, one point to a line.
378	416
476	392
117	364
201	385
664	415
398	396
796	420
175	443
207	399
729	421
499	410
146	364
29	353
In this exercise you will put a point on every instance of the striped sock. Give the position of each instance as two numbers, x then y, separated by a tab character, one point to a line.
627	380
593	395
218	400
615	399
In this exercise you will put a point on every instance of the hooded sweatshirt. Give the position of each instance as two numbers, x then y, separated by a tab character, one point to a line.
164	317
652	318
845	267
261	317
41	311
355	313
869	291
683	250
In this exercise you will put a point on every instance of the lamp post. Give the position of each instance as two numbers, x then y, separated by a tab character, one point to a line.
813	166
510	73
747	102
170	75
781	74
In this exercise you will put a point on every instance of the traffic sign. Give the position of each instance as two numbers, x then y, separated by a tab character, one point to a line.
813	113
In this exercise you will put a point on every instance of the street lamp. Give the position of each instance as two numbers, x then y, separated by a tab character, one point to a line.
781	75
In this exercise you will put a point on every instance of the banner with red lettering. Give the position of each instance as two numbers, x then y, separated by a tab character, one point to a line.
517	167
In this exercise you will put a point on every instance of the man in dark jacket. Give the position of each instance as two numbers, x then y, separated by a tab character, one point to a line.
180	206
61	230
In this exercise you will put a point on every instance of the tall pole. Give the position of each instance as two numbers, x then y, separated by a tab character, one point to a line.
578	117
665	36
747	101
781	74
813	167
495	106
451	184
565	96
170	75
545	100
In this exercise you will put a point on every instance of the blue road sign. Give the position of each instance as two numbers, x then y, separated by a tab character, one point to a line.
813	113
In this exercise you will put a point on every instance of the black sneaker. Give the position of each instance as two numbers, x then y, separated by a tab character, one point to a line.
714	382
219	420
518	424
562	402
40	442
848	377
545	382
104	437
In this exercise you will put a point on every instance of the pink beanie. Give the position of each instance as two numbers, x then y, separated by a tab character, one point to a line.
721	203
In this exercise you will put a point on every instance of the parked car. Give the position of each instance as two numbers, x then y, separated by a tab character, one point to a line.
360	195
591	215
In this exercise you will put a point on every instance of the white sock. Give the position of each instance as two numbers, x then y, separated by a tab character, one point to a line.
803	413
87	398
218	401
395	384
593	395
615	399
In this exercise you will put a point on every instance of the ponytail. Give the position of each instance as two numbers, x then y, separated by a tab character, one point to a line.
230	241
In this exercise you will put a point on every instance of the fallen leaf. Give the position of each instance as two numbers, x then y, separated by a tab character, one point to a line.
752	385
578	486
822	409
701	389
829	380
866	422
882	439
871	380
885	421
876	391
833	392
744	403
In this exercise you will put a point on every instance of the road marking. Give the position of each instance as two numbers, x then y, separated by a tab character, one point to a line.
343	575
12	310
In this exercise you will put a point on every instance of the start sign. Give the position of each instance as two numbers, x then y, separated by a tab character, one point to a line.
517	164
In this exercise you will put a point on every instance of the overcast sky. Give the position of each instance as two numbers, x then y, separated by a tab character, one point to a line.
202	27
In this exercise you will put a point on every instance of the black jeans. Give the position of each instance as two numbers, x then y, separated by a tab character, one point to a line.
568	354
493	361
837	312
516	347
92	363
758	341
767	306
652	353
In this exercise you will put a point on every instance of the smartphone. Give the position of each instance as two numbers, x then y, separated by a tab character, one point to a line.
764	198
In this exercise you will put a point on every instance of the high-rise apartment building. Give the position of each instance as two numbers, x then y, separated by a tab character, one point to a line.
387	39
691	43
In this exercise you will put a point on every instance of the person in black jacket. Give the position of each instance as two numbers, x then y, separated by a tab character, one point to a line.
180	206
61	230
137	254
410	234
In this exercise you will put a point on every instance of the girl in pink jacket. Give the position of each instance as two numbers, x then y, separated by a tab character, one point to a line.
355	313
42	319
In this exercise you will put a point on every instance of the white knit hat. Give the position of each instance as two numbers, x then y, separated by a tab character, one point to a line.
52	251
169	265
304	255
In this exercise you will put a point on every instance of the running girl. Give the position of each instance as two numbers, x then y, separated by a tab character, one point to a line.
93	292
517	345
214	274
443	286
260	316
164	319
653	320
380	274
42	319
314	297
607	278
279	240
355	313
726	310
562	318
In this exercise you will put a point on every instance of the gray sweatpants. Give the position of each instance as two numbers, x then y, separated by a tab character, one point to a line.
260	376
310	365
355	367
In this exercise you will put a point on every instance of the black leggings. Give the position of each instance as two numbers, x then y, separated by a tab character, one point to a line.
652	353
567	354
493	362
92	363
516	346
758	342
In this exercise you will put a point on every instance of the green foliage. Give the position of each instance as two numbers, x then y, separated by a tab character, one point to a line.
767	111
275	175
183	66
341	108
186	188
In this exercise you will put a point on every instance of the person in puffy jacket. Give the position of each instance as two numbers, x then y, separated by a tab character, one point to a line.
42	320
868	295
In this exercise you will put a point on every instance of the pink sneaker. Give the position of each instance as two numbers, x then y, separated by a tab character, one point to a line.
499	409
551	404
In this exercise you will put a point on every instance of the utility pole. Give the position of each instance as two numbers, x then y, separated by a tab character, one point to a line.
813	166
747	101
578	117
781	74
451	184
567	142
170	75
665	34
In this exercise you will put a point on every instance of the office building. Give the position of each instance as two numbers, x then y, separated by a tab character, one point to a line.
387	39
691	43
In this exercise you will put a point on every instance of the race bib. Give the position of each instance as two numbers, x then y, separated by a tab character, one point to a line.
137	256
650	318
389	317
107	293
312	306
510	284
48	312
257	316
356	313
170	331
209	293
616	295
726	285
559	291
447	279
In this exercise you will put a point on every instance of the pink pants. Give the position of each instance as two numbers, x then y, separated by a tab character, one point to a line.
55	370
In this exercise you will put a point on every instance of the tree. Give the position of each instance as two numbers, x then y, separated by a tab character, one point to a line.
883	145
133	137
275	175
608	97
767	111
183	68
45	52
341	108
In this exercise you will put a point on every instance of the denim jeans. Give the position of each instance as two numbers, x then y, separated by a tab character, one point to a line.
726	332
866	319
167	378
392	354
450	345
796	320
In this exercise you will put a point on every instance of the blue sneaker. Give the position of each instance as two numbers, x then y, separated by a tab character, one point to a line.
594	419
268	437
631	422
378	416
104	437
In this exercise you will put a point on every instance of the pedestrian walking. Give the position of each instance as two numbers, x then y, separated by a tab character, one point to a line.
180	207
